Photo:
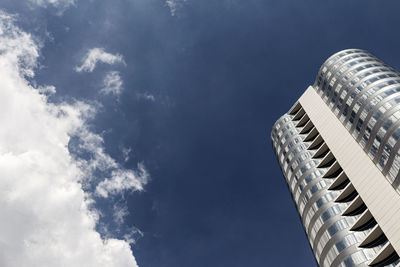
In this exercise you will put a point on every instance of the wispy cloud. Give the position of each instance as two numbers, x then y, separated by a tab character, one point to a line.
126	153
119	213
60	5
146	96
112	84
174	5
49	90
95	55
122	180
47	217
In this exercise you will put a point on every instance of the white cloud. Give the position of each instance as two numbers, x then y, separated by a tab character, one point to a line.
46	217
112	84
95	55
174	5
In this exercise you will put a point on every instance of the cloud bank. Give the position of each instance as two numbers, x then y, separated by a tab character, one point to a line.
95	55
47	218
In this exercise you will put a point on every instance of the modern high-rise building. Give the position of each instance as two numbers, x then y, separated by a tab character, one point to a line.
339	150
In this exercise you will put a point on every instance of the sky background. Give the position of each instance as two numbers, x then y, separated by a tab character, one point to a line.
201	83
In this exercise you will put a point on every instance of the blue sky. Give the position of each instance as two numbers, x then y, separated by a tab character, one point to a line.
140	128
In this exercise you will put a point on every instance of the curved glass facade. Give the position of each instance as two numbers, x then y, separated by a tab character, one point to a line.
362	92
327	230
